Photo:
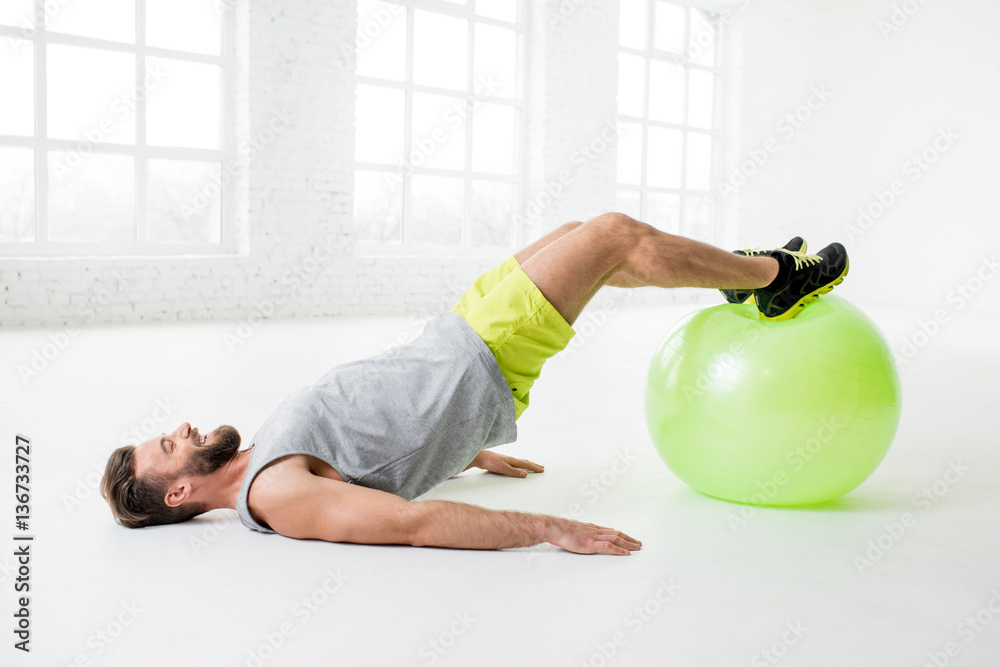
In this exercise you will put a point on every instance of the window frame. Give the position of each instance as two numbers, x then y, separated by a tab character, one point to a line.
405	247
39	37
716	132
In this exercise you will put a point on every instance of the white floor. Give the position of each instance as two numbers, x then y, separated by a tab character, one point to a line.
783	588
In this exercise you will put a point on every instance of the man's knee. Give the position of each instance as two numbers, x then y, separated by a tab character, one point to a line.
621	226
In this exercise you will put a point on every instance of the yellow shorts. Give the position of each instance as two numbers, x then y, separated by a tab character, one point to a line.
518	324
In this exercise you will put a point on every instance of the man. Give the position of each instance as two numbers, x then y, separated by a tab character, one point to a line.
340	460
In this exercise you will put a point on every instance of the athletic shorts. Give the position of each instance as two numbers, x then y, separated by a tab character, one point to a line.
518	324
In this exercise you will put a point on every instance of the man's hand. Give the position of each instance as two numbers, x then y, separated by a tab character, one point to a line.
504	465
589	538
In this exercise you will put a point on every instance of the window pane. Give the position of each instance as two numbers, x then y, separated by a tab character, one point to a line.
628	203
379	125
666	92
381	40
630	153
504	10
663	158
496	62
438	139
91	95
698	219
378	206
669	32
494	137
436	210
494	205
631	84
18	13
184	202
185	25
701	91
699	162
182	110
702	47
91	198
632	23
663	211
440	51
17	194
104	19
17	70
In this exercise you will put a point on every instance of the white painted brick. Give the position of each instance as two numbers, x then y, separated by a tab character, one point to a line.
296	191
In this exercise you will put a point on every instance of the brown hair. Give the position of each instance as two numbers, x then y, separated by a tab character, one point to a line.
138	501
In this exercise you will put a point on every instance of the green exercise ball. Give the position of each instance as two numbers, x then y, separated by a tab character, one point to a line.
773	413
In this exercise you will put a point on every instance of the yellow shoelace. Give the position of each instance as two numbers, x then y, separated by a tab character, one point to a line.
803	260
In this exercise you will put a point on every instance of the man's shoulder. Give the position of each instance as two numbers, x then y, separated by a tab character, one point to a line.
275	485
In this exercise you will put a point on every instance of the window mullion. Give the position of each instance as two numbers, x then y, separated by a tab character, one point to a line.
41	129
141	171
465	233
404	231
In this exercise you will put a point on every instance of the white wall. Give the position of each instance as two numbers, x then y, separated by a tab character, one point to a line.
888	98
928	66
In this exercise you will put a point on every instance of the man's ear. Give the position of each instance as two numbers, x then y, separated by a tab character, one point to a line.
177	494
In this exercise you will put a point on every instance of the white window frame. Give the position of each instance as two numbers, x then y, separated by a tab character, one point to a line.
42	144
716	132
464	248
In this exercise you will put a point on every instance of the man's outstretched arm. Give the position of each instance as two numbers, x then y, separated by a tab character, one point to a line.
324	509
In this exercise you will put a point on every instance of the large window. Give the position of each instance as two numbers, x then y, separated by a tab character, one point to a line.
668	76
115	127
438	124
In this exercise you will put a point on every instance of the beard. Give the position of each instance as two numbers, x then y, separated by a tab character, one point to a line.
209	458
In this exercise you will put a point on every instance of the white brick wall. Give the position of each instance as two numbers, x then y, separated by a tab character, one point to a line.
294	218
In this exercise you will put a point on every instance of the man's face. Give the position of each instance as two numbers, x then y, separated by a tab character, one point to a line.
186	452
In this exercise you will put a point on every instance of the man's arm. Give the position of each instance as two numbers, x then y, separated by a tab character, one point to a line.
324	509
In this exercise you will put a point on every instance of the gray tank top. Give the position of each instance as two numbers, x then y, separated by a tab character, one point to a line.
401	422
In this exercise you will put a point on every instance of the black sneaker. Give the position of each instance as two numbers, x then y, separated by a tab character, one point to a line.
801	279
797	244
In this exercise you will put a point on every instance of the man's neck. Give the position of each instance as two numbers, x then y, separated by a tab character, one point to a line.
230	478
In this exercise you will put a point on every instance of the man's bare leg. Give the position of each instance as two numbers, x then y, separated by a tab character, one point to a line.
620	279
573	265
